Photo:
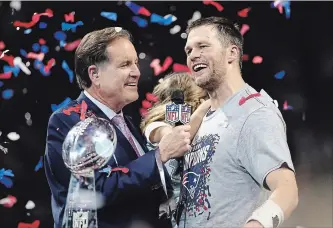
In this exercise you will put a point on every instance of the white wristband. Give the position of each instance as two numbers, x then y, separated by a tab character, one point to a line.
270	215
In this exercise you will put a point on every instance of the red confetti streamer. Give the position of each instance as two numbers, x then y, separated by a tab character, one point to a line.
245	57
180	68
6	75
69	110
151	97
158	69
244	99
42	41
144	11
244	12
10	201
257	59
8	58
167	62
244	29
143	112
217	5
35	18
32	55
146	104
71	46
2	45
35	224
84	108
69	17
49	65
122	169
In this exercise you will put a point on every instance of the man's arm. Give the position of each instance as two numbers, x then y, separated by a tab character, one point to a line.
264	153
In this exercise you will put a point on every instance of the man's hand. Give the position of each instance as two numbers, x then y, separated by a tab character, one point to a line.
253	224
176	143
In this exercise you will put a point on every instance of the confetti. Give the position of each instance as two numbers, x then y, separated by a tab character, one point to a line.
39	164
6	75
70	73
49	65
155	18
4	149
18	62
73	45
196	16
158	69
151	97
27	31
245	57
55	107
146	104
141	22
1	83
69	17
110	15
3	53
136	9
15	70
280	75
2	45
180	68
175	29
118	29
218	6
143	112
8	58
30	205
35	224
67	26
244	12
257	59
282	5
44	49
36	47
35	18
42	25
15	5
286	106
13	136
4	177
7	94
32	55
9	201
244	29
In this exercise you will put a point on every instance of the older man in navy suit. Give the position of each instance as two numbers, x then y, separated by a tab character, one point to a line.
106	66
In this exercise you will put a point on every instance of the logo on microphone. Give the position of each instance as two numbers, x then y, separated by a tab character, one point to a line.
172	113
185	114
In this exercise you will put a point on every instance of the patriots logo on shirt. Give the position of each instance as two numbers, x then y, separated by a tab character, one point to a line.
190	182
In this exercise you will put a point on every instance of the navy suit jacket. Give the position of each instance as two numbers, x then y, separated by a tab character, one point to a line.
135	195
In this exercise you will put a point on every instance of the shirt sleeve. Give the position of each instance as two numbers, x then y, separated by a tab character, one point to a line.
151	127
262	146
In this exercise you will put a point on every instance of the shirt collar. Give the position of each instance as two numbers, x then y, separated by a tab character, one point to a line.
105	109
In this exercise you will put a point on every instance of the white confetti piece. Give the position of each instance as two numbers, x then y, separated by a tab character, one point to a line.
196	16
15	5
18	62
175	29
118	29
183	35
3	53
27	116
5	150
174	18
13	136
142	55
30	205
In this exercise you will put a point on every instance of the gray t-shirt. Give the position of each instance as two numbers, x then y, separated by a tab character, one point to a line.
232	153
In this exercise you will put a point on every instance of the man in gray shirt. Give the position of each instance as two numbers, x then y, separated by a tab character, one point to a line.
241	147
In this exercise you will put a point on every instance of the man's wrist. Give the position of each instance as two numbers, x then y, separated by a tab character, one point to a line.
164	157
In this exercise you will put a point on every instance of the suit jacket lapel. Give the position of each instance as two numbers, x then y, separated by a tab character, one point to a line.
136	134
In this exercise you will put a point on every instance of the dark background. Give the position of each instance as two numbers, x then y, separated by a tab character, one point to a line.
301	46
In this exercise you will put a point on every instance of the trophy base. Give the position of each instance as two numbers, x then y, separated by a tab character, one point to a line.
81	211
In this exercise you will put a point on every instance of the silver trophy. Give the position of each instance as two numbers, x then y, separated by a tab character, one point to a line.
88	146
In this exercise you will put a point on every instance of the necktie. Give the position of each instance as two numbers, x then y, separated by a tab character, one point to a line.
119	121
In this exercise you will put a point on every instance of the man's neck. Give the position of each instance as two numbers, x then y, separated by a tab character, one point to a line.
229	86
114	107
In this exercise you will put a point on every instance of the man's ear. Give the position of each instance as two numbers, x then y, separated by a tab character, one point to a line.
232	53
93	75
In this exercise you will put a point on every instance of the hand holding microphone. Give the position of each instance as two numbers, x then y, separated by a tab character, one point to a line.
176	143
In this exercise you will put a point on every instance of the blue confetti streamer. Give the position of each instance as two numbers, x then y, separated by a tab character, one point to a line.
4	177
1	83
70	73
133	7
67	26
55	107
15	69
155	18
36	47
27	31
42	25
60	36
7	94
142	23
280	75
44	49
110	15
39	164
23	53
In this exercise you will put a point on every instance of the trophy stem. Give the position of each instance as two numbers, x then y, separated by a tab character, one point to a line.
81	210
